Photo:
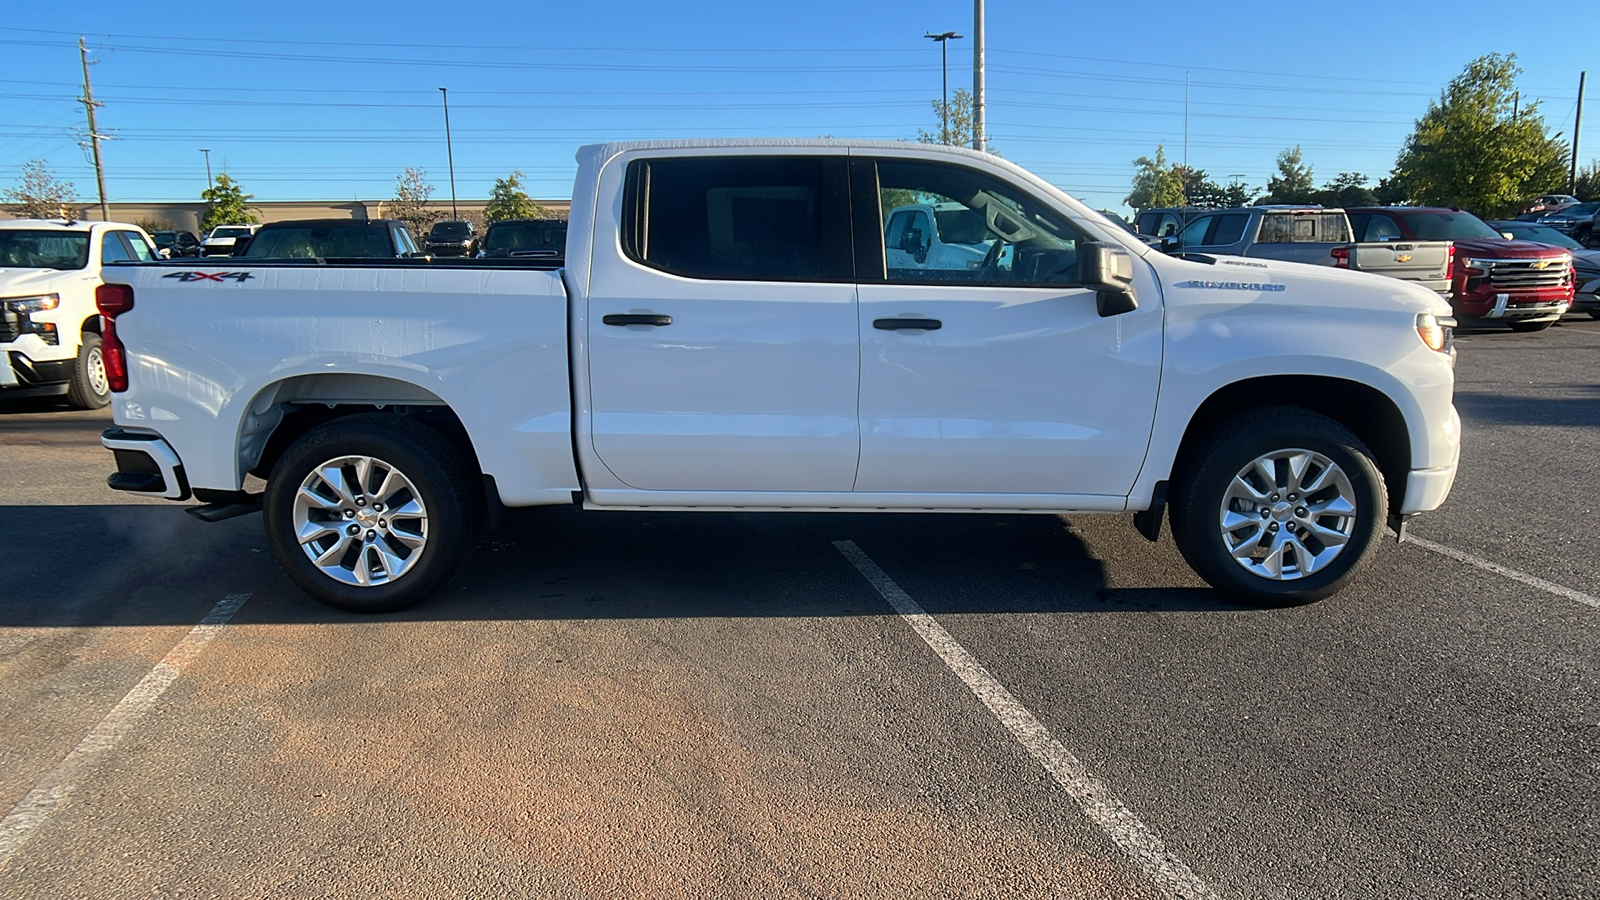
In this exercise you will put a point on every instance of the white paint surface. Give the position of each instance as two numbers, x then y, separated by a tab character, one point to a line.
1548	587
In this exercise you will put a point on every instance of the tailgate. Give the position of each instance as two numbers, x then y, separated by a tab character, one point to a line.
1425	262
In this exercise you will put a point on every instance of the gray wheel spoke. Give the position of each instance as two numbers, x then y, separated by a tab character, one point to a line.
394	547
1328	536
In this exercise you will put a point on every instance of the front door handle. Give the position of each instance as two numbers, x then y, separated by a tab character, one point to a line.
897	324
636	319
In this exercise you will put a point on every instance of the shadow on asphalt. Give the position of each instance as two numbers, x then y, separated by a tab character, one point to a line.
1507	409
93	566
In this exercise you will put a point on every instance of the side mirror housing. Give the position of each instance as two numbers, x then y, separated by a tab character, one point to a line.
1107	269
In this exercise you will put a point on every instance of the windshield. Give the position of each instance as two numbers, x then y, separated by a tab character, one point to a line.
1542	234
43	249
1582	209
322	242
1448	226
527	236
449	230
230	232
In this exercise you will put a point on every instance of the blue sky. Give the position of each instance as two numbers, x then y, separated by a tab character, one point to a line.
332	100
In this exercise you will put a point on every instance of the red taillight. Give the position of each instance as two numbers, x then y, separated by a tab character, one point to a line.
1450	260
1341	257
113	300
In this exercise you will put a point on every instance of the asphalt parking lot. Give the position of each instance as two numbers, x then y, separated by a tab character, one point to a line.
727	705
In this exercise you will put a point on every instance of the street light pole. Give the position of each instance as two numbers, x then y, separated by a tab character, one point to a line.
944	80
208	165
449	152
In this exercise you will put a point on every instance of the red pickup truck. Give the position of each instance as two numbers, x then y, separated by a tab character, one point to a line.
1526	285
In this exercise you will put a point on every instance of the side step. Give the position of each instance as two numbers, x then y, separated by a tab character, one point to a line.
225	505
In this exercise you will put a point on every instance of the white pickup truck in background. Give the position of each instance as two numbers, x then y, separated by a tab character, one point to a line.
733	331
49	325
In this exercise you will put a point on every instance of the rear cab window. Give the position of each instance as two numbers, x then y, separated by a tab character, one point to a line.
1304	227
740	218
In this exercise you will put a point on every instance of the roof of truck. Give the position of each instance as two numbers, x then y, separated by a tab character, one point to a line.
615	147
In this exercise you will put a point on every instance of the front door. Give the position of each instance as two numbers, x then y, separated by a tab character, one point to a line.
999	378
722	342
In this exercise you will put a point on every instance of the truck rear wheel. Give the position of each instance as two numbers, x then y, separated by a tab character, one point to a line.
370	513
1279	507
90	388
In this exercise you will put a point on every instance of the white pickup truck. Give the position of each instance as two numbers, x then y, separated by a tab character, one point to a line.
49	325
729	332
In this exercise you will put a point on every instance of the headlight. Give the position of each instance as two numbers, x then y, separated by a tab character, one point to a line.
1478	266
1435	331
38	303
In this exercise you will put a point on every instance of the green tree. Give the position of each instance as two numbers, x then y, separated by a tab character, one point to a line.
508	201
1391	191
1471	150
1236	193
40	195
956	131
410	204
230	205
1588	186
1156	182
1293	183
1349	190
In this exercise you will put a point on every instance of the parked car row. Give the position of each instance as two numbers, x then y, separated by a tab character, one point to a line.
1487	272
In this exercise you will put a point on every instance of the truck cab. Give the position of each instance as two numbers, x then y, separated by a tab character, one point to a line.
939	236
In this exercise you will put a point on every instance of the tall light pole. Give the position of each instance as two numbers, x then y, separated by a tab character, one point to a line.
944	79
449	153
979	135
208	165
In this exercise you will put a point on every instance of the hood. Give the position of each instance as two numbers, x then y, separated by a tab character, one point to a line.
1319	285
17	282
1500	248
1586	259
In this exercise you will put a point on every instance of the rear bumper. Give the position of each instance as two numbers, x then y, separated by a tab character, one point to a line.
146	464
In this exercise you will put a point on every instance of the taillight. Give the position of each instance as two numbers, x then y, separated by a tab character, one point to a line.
1341	257
1450	259
113	300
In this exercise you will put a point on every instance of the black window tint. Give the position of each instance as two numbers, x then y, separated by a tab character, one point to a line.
748	218
1229	229
1147	222
1381	228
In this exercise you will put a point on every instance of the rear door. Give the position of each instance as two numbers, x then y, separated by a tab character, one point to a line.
721	328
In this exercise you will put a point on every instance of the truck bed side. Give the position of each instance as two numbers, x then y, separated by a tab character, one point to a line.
218	361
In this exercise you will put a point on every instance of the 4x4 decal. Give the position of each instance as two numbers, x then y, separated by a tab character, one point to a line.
210	276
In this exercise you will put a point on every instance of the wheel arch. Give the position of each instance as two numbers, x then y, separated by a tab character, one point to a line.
1365	410
284	410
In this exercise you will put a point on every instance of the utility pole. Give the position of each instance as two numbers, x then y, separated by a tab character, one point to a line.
1572	177
979	133
1185	137
207	152
94	133
450	154
944	81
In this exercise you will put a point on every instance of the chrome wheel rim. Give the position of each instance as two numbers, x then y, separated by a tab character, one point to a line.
1288	514
95	368
360	521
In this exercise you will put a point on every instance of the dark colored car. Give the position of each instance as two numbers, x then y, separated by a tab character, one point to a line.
177	243
1576	221
542	239
454	238
1524	284
332	239
1585	262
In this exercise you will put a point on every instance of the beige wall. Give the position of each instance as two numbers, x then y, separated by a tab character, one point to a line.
186	216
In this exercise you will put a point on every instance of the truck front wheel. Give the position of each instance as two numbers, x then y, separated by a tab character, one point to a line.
1278	506
90	388
370	513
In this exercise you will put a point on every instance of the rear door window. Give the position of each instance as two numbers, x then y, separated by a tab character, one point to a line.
740	218
1229	229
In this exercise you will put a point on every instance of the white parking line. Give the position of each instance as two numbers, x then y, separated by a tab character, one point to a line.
53	790
1119	823
1523	577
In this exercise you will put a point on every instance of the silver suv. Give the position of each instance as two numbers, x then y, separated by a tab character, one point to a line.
1306	234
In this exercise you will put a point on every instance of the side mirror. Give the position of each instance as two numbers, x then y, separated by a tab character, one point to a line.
1508	235
1108	270
1168	244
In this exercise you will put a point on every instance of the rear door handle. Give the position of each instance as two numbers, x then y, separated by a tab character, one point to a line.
897	324
636	319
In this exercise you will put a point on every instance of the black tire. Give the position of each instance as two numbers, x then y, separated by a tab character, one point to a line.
89	388
1525	327
1204	478
423	457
